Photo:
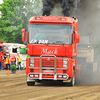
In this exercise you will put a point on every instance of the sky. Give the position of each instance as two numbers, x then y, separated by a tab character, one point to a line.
0	3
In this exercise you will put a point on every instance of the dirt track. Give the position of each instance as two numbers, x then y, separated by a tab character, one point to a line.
14	87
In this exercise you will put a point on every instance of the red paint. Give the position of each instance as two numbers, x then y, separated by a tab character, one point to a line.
59	51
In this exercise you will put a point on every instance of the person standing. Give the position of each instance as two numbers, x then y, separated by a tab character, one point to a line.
19	62
0	61
8	62
13	60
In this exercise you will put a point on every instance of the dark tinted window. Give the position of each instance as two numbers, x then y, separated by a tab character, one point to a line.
14	50
1	48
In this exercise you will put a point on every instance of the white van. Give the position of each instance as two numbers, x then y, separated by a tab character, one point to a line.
17	49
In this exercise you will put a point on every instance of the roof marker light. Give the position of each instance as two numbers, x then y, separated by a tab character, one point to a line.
56	16
50	15
45	15
73	21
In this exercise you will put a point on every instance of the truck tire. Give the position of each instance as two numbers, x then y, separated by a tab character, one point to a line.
30	83
72	83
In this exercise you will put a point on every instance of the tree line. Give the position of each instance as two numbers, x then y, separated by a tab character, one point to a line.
14	16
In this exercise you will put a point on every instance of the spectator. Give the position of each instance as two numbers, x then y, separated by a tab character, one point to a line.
0	62
13	60
19	62
8	62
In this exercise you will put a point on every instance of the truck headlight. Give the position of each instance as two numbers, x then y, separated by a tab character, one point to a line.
64	76
32	61
36	75
32	65
64	65
64	62
31	75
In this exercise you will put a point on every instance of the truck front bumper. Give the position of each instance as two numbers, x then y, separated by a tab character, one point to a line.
49	76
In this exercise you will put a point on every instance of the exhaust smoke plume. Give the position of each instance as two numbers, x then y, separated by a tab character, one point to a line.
88	15
67	6
89	25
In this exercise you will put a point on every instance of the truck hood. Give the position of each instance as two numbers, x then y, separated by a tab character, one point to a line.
49	49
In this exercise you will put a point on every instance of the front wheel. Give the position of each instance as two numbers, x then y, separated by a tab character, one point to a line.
30	83
72	83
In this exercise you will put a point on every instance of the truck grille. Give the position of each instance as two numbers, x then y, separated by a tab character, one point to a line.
48	63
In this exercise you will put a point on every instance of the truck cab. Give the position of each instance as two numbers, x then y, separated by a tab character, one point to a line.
51	45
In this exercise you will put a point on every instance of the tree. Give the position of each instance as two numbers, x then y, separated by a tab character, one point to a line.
15	16
10	22
29	8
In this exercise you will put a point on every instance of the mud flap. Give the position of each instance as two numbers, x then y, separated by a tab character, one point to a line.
67	81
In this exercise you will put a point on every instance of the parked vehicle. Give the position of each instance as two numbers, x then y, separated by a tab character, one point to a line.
85	59
16	49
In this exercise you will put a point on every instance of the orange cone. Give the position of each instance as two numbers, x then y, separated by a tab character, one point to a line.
7	72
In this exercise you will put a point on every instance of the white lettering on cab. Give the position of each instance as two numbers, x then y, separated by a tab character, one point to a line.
46	51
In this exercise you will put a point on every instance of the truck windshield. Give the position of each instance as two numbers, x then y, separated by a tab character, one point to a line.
53	34
84	42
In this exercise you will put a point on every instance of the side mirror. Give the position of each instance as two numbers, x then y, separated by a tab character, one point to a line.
77	37
26	36
23	35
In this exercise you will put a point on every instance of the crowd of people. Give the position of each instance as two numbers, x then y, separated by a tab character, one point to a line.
9	61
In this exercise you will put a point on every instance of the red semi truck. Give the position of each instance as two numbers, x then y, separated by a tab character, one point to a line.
52	47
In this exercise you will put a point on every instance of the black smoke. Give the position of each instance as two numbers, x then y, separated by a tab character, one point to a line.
67	6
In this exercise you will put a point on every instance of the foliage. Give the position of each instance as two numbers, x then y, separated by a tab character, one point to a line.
28	9
14	16
13	67
10	22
